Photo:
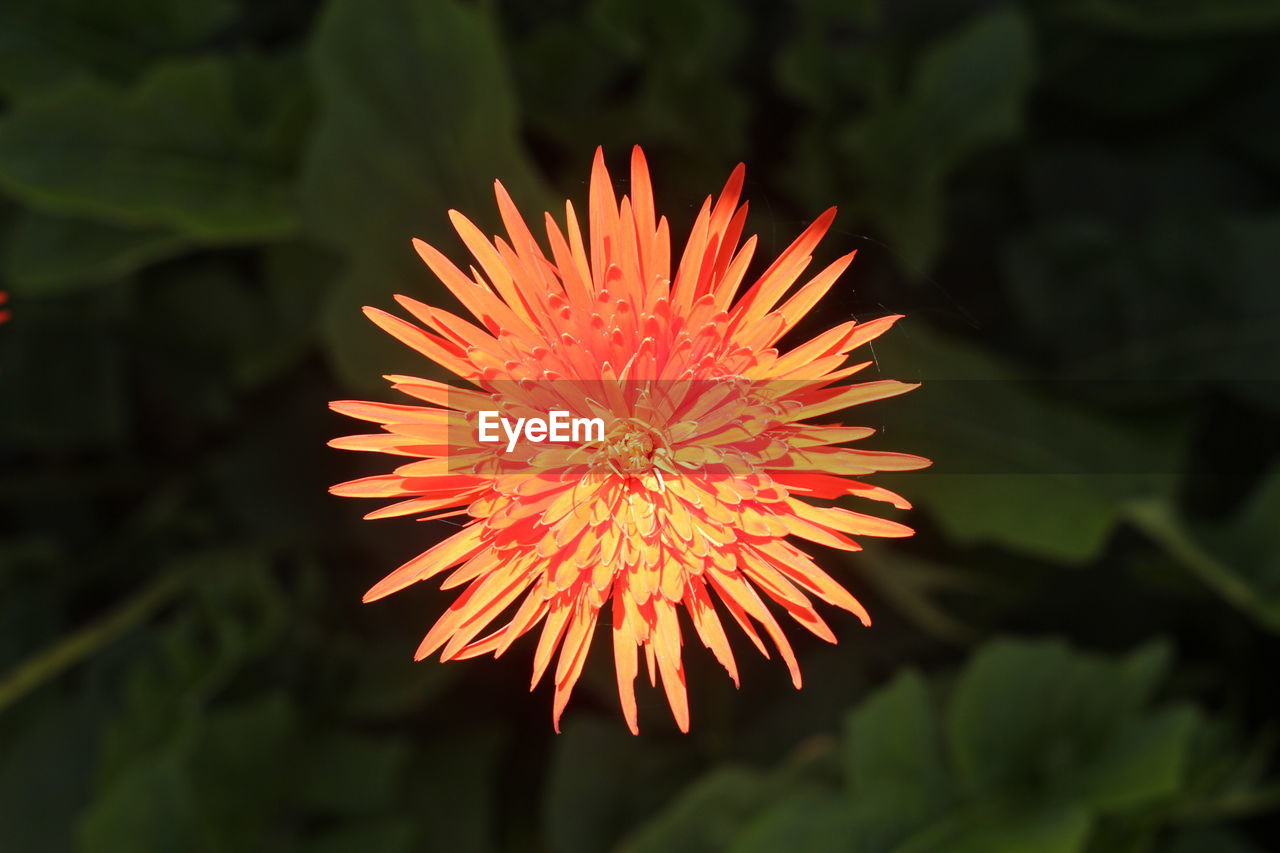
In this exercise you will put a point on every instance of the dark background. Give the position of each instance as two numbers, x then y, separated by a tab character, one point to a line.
1074	203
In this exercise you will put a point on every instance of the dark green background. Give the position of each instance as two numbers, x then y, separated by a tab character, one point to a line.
1074	202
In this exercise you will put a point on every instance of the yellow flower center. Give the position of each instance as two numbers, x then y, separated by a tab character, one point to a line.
629	448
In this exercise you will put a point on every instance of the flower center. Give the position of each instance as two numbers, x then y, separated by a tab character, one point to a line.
629	447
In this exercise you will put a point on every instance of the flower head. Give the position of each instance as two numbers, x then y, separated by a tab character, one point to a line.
5	314
703	465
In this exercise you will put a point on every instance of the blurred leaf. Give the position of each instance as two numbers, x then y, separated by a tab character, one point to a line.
148	808
46	41
893	752
705	817
359	352
416	118
1055	829
215	787
1097	192
896	775
590	803
1230	773
184	150
968	88
1012	464
1239	559
966	95
1034	718
298	277
622	72
1251	540
680	53
1039	743
810	819
548	61
835	57
48	254
242	768
232	615
1146	763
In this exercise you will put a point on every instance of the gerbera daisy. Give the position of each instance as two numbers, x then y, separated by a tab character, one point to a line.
702	466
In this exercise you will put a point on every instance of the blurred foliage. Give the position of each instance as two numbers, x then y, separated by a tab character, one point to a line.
1075	203
1034	747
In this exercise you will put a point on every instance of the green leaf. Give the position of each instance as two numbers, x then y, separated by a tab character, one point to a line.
590	803
241	768
1043	748
814	819
1145	762
820	65
184	150
46	41
621	72
1251	540
679	56
893	738
966	95
218	785
1013	465
416	118
894	761
1033	719
151	807
232	615
1062	829
47	255
999	712
359	352
1239	559
968	90
706	816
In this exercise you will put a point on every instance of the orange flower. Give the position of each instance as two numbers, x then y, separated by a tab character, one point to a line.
705	465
